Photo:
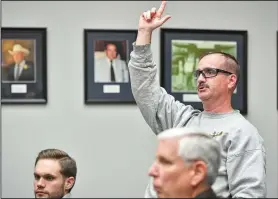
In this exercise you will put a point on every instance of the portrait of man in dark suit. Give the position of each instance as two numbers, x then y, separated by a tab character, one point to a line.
20	69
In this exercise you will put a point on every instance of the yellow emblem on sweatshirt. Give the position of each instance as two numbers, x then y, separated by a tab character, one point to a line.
214	134
25	67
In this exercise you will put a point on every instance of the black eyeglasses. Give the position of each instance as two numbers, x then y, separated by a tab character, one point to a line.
210	72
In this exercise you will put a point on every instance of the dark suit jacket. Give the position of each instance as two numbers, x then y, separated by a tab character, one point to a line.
34	90
26	74
207	194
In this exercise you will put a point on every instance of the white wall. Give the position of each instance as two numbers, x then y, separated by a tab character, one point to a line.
113	156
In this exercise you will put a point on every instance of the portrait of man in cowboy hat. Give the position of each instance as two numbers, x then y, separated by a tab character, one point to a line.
20	69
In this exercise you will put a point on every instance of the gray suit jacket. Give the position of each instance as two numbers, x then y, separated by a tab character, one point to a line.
102	70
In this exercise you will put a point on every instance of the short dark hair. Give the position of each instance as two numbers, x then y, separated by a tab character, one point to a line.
110	43
231	63
67	163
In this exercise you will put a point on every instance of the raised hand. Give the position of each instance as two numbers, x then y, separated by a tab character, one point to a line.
153	19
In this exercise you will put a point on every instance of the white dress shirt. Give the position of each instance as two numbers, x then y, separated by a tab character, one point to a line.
68	195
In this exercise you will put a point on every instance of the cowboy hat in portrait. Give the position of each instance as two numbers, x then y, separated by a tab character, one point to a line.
17	48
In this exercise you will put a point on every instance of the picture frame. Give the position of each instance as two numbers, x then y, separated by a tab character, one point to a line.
180	52
106	81
23	65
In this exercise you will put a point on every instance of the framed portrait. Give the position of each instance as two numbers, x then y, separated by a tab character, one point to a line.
181	50
23	66
107	55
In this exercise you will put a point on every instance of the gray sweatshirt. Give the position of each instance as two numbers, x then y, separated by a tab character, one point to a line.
243	158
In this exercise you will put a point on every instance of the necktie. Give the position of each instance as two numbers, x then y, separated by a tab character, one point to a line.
17	72
112	72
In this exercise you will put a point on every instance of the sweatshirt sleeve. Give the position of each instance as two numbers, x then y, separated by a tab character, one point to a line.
246	164
159	109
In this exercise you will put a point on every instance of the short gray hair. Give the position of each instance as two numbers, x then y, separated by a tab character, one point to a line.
196	144
231	63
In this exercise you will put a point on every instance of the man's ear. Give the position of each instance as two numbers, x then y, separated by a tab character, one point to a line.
232	81
69	183
200	173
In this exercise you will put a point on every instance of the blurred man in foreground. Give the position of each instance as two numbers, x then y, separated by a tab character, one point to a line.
186	164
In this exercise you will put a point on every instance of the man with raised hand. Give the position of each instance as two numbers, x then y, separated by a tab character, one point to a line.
242	172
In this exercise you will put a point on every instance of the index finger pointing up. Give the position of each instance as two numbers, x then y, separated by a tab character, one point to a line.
161	9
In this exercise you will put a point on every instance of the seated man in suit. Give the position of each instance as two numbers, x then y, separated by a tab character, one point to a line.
186	164
55	174
110	68
20	70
